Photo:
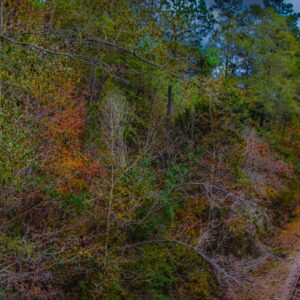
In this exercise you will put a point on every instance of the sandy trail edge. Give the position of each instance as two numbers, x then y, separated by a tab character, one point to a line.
275	279
294	272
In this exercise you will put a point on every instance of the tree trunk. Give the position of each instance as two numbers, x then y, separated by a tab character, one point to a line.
169	110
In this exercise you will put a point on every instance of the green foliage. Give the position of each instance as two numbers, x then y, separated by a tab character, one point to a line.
16	246
212	57
16	151
77	202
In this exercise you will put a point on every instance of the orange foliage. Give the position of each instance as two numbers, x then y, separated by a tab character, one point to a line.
66	123
64	157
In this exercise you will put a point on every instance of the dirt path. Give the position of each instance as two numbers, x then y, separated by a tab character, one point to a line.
291	280
275	280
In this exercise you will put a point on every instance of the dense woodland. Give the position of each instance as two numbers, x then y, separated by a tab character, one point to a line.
148	148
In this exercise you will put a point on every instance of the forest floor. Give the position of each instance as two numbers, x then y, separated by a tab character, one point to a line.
275	278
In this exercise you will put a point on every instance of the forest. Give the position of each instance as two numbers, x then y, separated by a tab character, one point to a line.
149	149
